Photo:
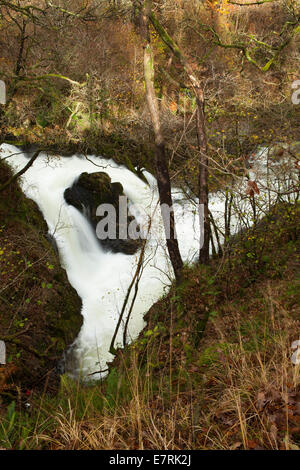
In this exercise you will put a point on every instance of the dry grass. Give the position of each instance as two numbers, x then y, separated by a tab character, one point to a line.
237	388
255	398
243	393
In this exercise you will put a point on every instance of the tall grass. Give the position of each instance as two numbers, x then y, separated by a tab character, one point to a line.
245	396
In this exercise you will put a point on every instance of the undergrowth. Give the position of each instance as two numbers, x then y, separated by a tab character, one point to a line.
212	370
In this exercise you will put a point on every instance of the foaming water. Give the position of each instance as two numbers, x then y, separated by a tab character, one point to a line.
102	278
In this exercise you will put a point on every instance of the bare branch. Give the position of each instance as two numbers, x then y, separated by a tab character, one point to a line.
21	172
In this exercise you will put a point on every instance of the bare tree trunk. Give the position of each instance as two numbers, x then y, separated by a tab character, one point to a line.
201	132
19	63
162	169
203	175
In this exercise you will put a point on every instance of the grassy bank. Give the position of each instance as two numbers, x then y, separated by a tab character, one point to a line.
212	370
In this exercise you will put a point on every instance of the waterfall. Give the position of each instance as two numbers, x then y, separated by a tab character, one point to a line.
102	278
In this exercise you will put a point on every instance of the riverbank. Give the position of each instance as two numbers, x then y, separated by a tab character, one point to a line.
40	311
231	386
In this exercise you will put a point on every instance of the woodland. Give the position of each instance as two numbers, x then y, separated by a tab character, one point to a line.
204	95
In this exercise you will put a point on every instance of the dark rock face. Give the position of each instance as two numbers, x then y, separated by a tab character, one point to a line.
47	289
91	190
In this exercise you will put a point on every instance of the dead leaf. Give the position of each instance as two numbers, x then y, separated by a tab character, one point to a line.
252	188
236	446
261	400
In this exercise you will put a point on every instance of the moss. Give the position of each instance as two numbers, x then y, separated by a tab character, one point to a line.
39	310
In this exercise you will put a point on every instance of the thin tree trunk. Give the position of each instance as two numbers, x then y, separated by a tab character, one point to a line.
203	176
162	169
201	132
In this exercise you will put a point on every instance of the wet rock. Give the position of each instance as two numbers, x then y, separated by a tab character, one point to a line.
90	191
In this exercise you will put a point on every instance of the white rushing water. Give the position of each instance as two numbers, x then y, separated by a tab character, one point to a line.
102	278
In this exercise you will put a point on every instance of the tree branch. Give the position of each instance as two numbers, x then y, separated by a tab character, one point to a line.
21	172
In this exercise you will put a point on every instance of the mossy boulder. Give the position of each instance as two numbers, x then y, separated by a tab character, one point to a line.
88	193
